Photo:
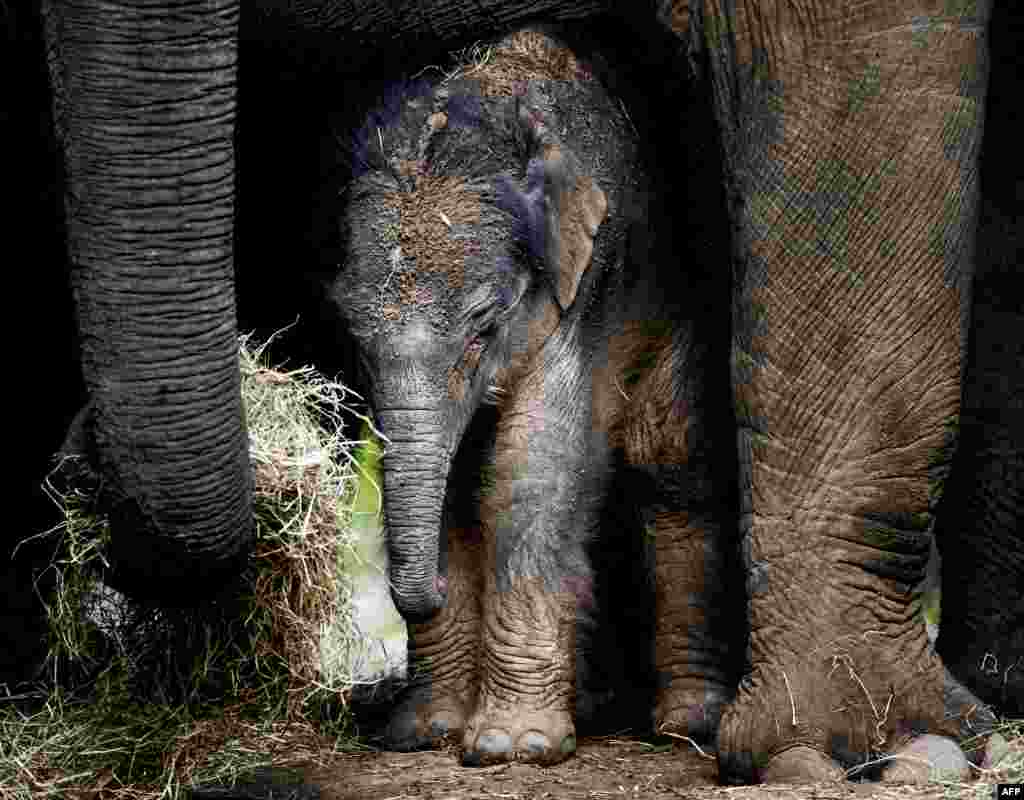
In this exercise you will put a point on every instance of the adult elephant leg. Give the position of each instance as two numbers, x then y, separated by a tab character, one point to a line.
144	99
443	655
851	141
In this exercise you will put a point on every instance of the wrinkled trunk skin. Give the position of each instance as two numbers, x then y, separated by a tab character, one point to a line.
144	104
415	468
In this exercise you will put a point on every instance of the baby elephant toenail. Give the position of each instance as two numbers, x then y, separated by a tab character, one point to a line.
568	745
534	742
494	741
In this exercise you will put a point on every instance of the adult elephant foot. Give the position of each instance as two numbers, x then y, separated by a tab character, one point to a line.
922	759
804	719
525	707
928	758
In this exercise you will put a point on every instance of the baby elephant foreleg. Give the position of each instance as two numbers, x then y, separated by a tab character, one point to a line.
536	520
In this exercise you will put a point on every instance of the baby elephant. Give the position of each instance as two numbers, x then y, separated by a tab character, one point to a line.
514	322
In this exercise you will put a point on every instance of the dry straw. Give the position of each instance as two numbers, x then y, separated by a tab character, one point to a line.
139	701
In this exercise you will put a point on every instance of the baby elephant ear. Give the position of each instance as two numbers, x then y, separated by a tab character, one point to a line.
575	207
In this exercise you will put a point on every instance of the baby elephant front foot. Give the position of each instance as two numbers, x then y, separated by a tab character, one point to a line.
540	737
423	721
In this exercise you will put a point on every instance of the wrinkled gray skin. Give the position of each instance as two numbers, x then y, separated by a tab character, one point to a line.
499	251
847	365
438	337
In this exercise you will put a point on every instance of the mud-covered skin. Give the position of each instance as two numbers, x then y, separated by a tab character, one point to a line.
501	251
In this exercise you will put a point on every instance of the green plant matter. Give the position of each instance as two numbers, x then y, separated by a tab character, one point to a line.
139	701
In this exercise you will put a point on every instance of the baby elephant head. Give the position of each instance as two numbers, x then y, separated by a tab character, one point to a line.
469	231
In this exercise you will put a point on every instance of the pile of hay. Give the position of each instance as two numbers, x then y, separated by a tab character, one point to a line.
144	700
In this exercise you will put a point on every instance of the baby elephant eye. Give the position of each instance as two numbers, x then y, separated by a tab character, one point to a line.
488	331
478	341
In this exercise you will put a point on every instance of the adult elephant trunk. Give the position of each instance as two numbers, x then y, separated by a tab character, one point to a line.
144	103
415	468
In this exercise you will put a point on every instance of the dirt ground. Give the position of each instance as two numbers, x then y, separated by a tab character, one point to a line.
602	768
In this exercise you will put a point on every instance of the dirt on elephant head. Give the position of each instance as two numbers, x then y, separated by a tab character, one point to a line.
426	217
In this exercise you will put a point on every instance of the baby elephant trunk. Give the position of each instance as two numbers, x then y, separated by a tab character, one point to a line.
415	473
